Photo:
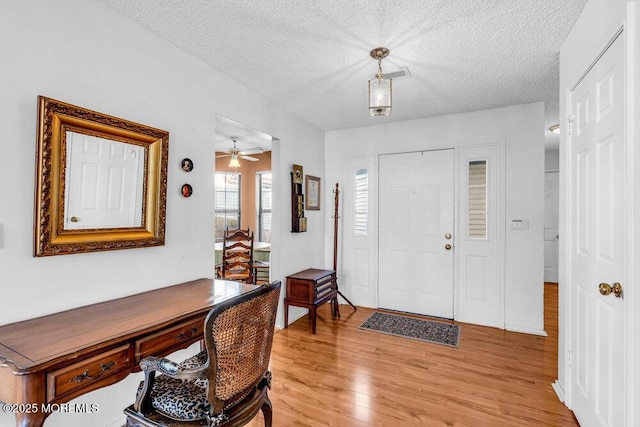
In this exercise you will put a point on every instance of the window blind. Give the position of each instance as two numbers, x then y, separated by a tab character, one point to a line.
361	202
477	200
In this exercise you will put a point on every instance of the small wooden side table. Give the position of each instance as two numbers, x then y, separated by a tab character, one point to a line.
311	288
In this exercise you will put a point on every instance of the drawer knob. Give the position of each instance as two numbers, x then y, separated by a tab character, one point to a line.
104	367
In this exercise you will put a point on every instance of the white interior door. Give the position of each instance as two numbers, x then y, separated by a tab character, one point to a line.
416	212
551	222
596	148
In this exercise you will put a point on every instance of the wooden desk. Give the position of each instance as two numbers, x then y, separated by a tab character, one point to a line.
56	358
311	288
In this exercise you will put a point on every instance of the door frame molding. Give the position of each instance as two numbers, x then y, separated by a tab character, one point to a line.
633	222
628	30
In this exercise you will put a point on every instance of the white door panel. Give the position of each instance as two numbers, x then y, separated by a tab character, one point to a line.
597	243
416	212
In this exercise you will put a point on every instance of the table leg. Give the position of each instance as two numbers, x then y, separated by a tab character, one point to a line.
336	307
286	315
312	314
30	419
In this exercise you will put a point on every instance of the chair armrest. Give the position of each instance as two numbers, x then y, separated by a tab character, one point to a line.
172	369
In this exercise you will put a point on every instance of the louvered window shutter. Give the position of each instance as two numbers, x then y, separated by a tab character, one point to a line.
477	200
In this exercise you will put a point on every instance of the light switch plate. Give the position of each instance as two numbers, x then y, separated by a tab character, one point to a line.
519	224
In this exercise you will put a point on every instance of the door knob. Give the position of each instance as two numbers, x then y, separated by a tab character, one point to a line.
447	236
606	289
75	219
448	247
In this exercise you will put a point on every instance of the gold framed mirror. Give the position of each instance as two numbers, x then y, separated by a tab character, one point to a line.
101	181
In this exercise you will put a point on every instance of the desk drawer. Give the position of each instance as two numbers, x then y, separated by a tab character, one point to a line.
169	340
86	372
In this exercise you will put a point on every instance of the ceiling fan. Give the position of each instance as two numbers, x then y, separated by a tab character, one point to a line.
244	154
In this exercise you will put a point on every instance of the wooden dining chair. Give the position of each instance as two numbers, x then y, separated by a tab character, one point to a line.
224	385
237	256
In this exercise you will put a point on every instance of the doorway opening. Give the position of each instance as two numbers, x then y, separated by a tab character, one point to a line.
243	190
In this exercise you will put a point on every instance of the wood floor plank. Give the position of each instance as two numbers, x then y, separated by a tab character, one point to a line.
346	376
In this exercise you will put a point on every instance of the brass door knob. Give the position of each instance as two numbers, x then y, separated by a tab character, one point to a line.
75	219
447	236
606	289
448	247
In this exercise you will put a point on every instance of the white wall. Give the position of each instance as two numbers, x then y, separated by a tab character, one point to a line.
522	129
83	53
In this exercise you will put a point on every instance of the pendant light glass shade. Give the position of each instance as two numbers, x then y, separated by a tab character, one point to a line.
234	152
380	96
234	163
379	87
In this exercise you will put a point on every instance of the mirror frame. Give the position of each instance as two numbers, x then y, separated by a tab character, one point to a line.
55	118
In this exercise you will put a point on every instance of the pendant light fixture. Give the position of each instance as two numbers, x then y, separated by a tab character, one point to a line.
234	163
379	87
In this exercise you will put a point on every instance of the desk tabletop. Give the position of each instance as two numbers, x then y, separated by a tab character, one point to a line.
36	341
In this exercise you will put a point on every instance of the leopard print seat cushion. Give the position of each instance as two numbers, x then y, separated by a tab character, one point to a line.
181	399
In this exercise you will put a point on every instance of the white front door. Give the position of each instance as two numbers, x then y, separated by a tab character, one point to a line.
416	213
551	207
597	246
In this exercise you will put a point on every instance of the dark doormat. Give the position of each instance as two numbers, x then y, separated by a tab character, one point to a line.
417	329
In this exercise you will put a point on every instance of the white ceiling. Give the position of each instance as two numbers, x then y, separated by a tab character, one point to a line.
312	56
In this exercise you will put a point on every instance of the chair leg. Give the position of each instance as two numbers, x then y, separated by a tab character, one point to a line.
267	411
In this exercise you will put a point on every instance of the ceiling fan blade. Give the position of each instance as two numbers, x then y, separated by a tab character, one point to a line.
252	159
222	155
256	150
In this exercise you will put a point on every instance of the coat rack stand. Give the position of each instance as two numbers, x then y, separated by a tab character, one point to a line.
335	242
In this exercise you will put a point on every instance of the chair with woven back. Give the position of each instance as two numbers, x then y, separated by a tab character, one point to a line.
225	384
237	256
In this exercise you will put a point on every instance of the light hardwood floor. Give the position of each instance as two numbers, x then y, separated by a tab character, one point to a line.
345	376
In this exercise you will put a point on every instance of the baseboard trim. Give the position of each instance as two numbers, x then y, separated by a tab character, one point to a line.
524	330
559	390
300	313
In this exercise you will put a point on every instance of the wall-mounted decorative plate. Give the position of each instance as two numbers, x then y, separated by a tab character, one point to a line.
186	190
186	165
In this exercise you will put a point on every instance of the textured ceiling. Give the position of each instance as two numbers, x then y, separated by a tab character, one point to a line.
312	57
